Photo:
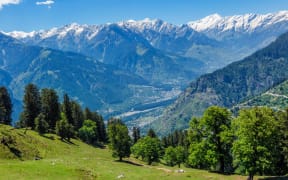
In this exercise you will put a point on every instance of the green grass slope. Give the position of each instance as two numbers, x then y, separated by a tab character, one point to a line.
276	98
76	160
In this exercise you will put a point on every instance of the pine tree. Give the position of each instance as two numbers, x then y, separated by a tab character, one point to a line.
151	133
5	106
32	106
135	134
88	114
77	115
101	128
50	107
66	108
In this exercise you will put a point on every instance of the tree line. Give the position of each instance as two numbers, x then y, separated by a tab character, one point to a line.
254	142
43	113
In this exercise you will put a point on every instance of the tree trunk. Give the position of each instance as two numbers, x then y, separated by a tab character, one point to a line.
251	176
179	165
120	158
222	164
149	161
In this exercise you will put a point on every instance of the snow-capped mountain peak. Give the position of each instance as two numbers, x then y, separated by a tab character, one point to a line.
240	23
206	22
147	24
20	34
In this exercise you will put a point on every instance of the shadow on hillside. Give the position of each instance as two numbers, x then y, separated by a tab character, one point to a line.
221	173
275	178
129	162
68	142
99	145
7	141
15	151
48	137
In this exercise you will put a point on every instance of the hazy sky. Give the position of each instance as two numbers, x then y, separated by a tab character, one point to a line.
28	15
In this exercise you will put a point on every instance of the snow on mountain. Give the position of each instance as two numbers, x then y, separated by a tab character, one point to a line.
246	23
239	23
20	34
210	38
74	29
148	24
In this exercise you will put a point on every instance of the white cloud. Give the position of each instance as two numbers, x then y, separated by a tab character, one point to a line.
47	3
7	2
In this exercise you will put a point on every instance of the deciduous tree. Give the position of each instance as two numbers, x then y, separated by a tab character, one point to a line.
119	138
256	135
211	140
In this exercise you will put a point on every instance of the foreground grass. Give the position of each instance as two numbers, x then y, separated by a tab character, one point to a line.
76	160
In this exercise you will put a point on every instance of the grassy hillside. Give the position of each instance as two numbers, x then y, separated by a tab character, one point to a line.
76	160
276	98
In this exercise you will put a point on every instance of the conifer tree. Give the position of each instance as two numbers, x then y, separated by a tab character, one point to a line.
151	133
31	107
88	114
135	134
50	107
77	115
100	127
5	106
66	108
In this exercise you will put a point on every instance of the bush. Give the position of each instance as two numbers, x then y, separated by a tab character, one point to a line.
88	132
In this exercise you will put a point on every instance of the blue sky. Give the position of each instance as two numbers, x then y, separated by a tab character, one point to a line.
28	15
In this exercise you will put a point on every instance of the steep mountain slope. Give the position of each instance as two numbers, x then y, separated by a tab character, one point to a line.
168	37
225	27
98	85
276	98
121	47
230	85
5	78
165	74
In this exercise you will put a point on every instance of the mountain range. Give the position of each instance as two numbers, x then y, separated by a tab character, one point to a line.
132	69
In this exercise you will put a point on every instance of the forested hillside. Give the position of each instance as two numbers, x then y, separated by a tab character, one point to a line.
229	86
